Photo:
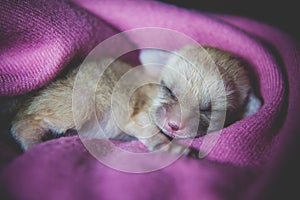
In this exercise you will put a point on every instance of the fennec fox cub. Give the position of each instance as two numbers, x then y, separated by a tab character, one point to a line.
158	106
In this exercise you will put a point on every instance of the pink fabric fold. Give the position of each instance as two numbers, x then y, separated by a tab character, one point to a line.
39	38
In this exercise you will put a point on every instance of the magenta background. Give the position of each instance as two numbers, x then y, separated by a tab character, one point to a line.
38	39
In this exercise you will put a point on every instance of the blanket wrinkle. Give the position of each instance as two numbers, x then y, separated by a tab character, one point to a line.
40	38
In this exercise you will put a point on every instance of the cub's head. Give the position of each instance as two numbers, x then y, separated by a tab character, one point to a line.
196	94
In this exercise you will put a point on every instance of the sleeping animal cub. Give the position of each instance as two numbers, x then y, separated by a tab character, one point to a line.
156	111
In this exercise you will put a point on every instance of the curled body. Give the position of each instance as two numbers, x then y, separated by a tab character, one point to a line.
188	102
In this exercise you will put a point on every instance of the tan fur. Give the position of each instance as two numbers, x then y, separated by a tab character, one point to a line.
197	78
51	108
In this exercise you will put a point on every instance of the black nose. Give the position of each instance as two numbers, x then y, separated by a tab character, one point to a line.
173	126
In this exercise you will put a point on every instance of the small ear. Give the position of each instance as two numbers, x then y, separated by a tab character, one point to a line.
253	105
154	60
154	56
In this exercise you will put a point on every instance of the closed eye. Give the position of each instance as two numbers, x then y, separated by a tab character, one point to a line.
168	91
206	108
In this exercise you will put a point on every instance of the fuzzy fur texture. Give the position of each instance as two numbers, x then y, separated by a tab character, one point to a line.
39	38
174	101
205	82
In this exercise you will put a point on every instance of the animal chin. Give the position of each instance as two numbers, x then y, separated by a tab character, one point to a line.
176	134
168	133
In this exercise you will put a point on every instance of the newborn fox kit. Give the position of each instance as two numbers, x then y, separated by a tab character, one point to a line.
167	108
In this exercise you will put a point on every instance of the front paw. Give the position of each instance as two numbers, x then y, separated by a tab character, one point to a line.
176	149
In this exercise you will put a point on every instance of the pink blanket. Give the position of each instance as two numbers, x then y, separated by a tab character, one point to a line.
39	38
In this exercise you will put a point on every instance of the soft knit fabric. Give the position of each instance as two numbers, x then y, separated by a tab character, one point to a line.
40	38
